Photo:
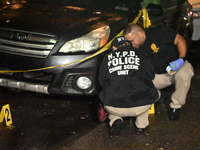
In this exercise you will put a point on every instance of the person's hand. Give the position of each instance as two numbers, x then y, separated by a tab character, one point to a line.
177	64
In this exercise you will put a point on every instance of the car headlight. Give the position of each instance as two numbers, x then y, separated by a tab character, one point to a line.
91	41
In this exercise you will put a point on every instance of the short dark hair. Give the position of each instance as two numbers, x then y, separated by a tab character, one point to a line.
132	28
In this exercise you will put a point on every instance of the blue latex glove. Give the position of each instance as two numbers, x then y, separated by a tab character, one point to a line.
177	64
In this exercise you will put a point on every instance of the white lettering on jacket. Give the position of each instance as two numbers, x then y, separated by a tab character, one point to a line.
122	62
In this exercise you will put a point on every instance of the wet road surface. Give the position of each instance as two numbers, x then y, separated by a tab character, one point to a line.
42	121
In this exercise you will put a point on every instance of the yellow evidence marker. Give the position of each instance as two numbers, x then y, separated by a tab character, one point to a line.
5	113
152	109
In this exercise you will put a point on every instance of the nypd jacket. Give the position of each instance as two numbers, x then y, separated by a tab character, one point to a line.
126	78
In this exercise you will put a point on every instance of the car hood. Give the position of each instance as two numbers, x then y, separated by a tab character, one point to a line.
53	18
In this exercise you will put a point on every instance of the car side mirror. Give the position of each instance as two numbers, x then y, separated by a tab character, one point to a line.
154	9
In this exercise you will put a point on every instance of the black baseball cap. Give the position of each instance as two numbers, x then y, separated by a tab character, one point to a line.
118	41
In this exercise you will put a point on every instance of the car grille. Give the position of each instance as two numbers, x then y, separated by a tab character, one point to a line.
26	43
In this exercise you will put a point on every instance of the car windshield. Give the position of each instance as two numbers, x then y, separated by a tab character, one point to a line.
124	5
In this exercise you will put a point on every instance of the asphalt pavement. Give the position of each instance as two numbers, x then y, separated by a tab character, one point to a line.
41	121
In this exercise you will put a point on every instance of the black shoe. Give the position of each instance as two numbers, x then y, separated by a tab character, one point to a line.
140	130
174	113
116	128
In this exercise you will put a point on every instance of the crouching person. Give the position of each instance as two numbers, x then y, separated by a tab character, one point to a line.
126	75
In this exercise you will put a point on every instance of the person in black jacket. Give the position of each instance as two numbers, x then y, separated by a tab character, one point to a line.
126	76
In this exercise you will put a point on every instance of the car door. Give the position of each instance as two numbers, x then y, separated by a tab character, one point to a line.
177	14
169	10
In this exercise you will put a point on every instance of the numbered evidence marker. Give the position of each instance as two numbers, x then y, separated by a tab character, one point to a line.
5	113
152	109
